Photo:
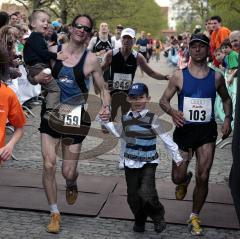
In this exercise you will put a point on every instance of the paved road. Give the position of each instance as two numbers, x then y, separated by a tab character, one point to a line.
103	161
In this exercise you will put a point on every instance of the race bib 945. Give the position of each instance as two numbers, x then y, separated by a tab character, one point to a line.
122	81
197	109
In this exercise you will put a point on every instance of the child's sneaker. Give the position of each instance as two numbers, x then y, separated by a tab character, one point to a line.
53	115
138	228
159	225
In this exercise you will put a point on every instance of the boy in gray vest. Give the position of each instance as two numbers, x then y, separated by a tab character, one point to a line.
139	128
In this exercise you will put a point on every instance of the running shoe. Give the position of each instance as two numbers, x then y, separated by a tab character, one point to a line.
194	226
55	223
181	189
71	194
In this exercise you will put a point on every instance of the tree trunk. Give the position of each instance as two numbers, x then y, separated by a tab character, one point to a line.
64	15
234	177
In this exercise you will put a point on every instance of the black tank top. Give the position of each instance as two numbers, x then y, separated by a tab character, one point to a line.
120	66
100	45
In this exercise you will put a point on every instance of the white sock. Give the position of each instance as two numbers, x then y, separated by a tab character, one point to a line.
54	208
193	214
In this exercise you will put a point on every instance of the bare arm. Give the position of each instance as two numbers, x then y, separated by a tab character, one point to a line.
107	60
227	104
92	43
6	151
172	88
147	69
100	84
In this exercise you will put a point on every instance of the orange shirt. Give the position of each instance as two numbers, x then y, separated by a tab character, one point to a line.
11	110
217	37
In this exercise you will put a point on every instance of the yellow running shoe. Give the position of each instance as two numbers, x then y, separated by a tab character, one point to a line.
181	189
194	226
54	225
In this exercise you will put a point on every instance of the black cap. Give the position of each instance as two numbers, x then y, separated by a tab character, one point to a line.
199	37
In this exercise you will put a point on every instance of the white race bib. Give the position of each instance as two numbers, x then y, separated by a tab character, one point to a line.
197	109
142	48
73	117
121	81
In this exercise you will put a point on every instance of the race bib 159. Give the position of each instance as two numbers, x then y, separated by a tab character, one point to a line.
73	118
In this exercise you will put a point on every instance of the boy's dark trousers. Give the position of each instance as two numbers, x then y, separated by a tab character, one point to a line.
52	89
142	194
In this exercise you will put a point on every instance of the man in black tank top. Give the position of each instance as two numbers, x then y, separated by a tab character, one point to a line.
86	64
123	64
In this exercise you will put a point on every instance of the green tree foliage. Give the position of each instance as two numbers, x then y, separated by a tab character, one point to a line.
228	10
148	17
192	13
140	14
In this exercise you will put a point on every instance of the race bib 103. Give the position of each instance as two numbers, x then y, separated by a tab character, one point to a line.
197	109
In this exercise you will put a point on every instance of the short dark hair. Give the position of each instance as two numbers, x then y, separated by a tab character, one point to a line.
83	15
225	43
4	18
17	13
218	18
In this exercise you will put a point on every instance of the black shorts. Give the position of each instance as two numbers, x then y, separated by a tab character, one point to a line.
195	135
71	135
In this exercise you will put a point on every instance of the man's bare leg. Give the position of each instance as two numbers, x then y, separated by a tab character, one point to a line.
71	155
179	173
204	155
49	148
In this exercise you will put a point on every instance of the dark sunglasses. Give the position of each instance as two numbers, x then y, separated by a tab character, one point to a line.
80	26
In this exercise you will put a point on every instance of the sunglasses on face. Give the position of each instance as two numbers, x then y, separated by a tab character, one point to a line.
80	26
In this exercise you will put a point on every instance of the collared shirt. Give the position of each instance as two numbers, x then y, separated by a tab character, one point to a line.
171	147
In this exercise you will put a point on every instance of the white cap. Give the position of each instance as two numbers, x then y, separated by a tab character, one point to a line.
198	27
128	32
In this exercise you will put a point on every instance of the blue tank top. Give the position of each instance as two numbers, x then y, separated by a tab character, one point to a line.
72	82
197	97
68	85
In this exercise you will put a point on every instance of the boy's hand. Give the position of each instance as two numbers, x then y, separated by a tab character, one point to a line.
61	56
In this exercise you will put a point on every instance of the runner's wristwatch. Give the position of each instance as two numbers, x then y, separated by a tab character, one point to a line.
229	116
